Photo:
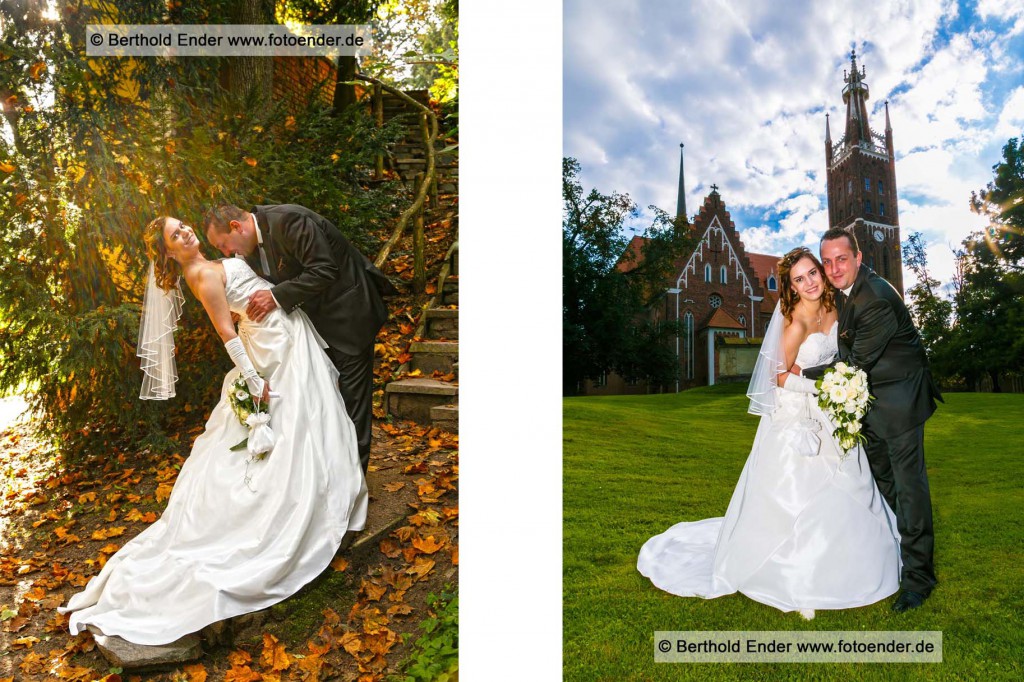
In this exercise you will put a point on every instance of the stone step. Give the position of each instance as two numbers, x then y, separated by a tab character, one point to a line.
442	323
450	290
413	398
431	356
445	417
121	653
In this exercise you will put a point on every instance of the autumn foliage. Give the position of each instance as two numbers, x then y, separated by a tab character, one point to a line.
85	168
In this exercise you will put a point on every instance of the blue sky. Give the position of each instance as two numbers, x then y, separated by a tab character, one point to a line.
746	86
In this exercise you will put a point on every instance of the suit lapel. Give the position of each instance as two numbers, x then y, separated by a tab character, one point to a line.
268	246
847	309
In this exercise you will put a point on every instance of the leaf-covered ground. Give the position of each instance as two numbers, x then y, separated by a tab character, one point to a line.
60	526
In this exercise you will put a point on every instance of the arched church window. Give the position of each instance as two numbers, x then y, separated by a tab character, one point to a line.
881	208
849	186
715	301
772	284
721	275
743	321
707	272
688	343
867	205
867	184
881	186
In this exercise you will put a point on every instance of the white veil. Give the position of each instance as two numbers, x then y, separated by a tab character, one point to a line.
770	362
161	311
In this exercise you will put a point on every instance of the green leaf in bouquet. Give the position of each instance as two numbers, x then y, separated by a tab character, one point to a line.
240	446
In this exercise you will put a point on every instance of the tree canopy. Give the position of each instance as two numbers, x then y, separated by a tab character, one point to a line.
978	333
607	287
91	150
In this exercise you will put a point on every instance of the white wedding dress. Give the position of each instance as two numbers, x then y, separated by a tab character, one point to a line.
225	546
801	532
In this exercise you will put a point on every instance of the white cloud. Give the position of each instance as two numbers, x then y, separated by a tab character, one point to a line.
747	86
1011	118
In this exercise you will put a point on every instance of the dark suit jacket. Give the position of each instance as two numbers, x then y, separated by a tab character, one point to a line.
877	334
313	266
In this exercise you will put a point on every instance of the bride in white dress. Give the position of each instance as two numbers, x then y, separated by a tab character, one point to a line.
236	536
804	530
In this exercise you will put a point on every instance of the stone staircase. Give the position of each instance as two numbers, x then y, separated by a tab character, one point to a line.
423	399
407	156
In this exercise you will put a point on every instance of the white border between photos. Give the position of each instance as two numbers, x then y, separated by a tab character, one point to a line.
510	341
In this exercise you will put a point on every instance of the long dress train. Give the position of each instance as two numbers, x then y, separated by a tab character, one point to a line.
801	532
240	536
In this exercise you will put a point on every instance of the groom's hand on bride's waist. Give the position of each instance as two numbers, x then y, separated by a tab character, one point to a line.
815	373
260	305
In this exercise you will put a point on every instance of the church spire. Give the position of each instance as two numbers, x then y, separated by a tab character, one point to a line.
681	200
855	96
828	133
860	181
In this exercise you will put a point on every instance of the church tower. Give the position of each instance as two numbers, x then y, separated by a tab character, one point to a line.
861	176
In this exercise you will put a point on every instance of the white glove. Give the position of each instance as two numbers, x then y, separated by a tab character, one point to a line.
800	385
241	359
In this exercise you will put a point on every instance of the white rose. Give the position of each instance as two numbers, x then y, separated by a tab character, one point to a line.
837	394
853	427
850	407
842	367
241	395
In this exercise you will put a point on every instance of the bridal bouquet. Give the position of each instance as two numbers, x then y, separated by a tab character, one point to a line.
843	396
255	414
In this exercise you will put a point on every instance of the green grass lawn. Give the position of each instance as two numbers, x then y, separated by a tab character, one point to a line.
635	465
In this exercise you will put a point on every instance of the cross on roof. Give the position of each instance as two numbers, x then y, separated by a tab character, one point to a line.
714	188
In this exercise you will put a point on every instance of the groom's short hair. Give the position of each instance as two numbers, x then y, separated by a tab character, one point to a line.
220	217
840	233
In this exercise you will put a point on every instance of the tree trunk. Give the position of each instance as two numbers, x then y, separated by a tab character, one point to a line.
996	388
345	95
251	76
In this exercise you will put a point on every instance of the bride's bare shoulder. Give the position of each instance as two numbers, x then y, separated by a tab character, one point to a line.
210	273
795	327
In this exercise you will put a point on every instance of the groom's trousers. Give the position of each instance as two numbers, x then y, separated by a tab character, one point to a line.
356	384
897	463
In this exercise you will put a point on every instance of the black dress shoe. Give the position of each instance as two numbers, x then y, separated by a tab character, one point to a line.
908	600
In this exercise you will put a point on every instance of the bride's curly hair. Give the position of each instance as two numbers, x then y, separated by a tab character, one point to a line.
165	269
789	298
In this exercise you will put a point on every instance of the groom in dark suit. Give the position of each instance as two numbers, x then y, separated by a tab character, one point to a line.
877	335
313	266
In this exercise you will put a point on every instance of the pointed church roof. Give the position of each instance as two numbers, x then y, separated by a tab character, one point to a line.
723	320
681	199
632	256
855	96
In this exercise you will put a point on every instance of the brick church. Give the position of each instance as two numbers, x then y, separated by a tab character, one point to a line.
723	296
